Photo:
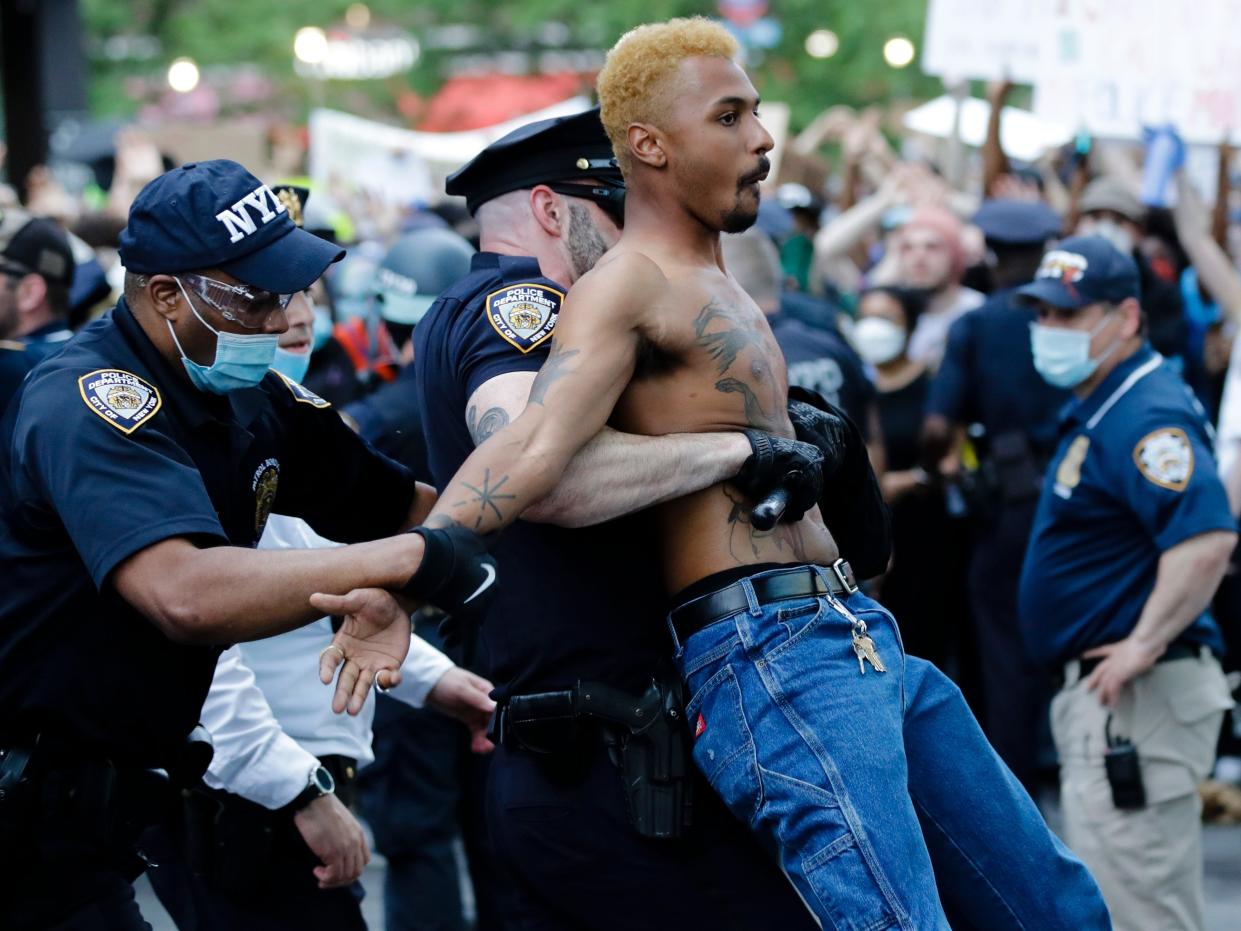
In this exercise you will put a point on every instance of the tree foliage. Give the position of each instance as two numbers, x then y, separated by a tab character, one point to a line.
224	33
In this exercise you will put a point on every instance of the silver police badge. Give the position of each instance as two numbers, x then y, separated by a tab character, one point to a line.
1165	457
121	398
524	314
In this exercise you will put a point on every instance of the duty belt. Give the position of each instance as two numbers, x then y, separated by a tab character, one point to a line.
1087	665
800	582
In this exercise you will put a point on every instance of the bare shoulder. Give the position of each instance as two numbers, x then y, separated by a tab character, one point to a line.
622	288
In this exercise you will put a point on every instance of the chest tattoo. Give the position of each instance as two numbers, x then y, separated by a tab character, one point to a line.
726	334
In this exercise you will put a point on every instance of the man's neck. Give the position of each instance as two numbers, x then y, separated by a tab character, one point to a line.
943	298
652	218
552	264
1107	366
28	323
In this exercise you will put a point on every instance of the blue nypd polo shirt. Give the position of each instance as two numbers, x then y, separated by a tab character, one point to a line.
1133	476
108	449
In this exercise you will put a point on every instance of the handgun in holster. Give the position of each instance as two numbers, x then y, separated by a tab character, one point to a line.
649	742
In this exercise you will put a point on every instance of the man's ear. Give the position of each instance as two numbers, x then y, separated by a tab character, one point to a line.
31	293
549	210
646	144
165	297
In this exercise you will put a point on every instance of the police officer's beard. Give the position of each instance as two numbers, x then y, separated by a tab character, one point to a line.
585	243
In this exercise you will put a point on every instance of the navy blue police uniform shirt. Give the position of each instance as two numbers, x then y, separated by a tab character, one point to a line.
987	375
1132	477
821	360
572	604
108	450
19	356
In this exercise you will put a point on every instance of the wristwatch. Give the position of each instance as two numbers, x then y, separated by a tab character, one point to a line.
319	784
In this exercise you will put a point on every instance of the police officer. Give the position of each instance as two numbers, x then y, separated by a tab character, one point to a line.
36	275
1132	536
577	604
987	383
138	467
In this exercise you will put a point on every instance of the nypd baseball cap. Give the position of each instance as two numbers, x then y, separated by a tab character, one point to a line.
216	214
1083	270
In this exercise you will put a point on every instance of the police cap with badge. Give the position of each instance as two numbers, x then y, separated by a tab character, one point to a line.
1081	271
573	149
569	154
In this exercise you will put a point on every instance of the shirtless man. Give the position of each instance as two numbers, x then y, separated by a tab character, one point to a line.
857	766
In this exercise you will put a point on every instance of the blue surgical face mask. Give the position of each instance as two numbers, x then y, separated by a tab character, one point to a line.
240	361
292	365
1062	356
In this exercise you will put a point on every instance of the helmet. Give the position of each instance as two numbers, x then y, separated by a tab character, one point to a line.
416	269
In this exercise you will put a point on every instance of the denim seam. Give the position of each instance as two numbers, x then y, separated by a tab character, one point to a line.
1017	923
833	778
706	659
811	625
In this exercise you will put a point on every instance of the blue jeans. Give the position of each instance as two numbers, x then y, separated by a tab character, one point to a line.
878	792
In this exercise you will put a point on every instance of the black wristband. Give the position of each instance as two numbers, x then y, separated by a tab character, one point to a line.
456	573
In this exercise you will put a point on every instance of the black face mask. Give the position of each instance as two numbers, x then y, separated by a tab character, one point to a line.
980	277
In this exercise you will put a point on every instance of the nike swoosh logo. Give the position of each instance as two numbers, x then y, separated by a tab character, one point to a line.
491	577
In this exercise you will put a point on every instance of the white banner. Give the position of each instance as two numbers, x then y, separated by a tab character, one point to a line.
1114	66
985	39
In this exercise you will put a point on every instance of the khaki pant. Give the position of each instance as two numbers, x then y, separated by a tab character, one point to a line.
1148	862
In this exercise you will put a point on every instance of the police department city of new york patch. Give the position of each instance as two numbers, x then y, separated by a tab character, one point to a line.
121	398
524	314
1166	457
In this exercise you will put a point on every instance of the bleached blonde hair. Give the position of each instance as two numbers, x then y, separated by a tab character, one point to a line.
632	85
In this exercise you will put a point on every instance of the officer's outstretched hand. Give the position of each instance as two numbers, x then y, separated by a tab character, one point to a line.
371	643
462	695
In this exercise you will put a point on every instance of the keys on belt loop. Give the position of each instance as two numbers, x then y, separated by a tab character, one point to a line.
863	646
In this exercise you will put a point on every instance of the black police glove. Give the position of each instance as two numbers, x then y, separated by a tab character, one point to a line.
852	503
456	574
789	470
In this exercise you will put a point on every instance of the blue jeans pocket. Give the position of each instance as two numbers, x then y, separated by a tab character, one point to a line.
723	745
847	892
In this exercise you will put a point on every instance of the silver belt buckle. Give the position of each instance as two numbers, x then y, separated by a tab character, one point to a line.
838	568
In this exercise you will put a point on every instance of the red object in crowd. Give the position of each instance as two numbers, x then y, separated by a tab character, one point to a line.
479	101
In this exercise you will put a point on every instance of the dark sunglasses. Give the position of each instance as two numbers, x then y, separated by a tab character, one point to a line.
610	197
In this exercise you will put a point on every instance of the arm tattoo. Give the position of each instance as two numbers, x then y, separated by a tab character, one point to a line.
493	420
555	368
486	497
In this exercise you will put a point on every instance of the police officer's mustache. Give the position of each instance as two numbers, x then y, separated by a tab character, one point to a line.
758	174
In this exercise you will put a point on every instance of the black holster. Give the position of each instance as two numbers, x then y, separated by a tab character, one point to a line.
645	735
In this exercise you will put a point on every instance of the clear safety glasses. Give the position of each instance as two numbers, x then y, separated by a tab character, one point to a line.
247	307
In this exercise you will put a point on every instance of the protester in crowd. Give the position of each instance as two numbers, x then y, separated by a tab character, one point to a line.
928	547
930	256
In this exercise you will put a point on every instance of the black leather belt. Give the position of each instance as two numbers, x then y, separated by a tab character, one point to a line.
801	582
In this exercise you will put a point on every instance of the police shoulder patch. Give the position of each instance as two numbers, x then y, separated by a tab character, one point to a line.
524	314
121	398
301	393
1166	457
